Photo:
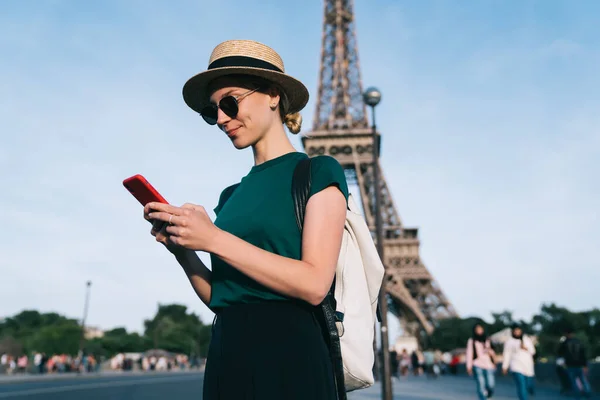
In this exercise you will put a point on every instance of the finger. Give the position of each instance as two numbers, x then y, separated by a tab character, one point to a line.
162	207
160	236
176	240
190	206
174	230
193	207
163	216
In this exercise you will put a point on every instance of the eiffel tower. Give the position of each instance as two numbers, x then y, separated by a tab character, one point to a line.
341	130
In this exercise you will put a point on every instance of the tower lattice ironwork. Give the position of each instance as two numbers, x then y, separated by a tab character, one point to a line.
341	130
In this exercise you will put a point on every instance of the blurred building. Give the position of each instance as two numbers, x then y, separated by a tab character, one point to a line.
409	343
92	332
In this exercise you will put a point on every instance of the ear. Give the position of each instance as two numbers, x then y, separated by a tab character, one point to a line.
274	97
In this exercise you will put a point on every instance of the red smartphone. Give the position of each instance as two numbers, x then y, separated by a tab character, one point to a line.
142	190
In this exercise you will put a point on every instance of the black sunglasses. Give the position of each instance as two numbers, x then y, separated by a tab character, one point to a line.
228	104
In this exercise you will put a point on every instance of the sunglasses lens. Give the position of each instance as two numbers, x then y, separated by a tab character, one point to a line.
229	106
209	113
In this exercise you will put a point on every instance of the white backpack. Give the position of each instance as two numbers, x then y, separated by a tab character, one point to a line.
358	278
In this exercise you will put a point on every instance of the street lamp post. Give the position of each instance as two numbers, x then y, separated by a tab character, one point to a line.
372	97
88	285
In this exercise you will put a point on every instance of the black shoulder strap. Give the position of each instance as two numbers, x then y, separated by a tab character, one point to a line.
301	189
300	193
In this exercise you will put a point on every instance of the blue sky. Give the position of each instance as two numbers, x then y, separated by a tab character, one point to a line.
489	117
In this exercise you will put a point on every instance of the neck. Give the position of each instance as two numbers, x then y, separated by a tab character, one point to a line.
274	144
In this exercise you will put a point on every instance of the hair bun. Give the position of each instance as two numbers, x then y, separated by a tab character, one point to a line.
293	122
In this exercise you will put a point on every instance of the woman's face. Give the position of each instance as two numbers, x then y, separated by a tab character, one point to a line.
479	330
255	115
517	332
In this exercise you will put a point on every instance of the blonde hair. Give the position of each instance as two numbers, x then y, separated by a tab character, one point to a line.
293	122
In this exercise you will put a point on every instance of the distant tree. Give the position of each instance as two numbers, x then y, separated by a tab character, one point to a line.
549	325
9	345
116	341
552	322
173	329
63	337
501	320
453	333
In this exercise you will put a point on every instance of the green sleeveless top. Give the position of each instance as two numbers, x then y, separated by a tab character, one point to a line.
260	210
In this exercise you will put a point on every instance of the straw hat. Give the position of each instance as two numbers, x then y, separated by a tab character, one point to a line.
245	57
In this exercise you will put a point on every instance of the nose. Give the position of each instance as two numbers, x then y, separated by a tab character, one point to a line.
222	118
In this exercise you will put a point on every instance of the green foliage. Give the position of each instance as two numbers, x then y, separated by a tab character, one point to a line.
172	329
49	333
549	325
450	333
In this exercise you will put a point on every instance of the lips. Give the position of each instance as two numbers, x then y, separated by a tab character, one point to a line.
232	132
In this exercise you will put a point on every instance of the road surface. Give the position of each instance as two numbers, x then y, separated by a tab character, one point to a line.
188	385
146	386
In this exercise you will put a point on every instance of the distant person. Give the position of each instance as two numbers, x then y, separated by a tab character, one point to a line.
414	359
454	361
267	276
480	362
404	362
445	363
518	359
563	376
428	362
394	362
37	362
575	361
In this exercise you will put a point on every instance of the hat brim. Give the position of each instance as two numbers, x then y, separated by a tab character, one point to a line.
195	90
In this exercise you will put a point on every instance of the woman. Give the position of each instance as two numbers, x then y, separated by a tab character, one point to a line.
267	279
480	362
404	362
518	358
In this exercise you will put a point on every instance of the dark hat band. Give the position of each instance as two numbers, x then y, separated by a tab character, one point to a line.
243	61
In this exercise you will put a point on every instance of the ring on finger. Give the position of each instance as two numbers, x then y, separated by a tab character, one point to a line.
170	218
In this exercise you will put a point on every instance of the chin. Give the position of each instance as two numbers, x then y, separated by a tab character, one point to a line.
240	144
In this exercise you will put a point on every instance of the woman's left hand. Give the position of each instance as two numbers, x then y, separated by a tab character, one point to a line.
189	225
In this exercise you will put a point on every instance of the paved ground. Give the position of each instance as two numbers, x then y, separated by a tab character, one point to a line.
188	385
148	386
447	388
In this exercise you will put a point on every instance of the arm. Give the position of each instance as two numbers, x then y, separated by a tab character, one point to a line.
308	279
197	273
528	343
194	268
469	355
506	356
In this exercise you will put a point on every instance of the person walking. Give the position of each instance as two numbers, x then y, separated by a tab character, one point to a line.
518	359
267	278
404	362
480	362
572	351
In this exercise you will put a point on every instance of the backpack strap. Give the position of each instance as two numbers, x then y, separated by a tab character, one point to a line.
301	189
301	182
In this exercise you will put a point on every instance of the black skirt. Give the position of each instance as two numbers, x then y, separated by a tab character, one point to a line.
268	351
